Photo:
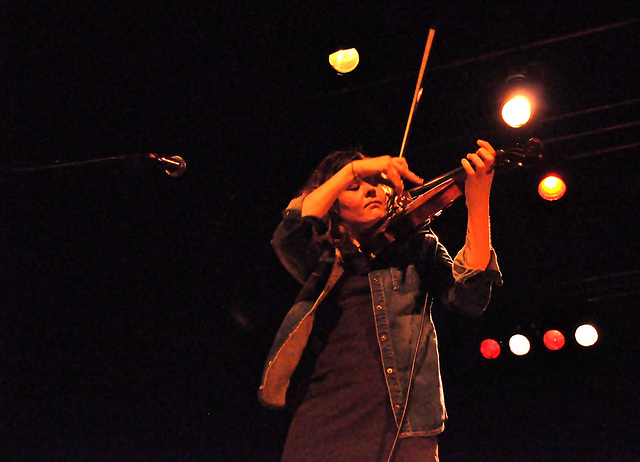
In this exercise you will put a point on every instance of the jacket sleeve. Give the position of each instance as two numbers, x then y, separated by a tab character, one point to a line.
294	241
465	289
472	289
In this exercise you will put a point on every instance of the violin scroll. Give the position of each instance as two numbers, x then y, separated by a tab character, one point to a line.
520	155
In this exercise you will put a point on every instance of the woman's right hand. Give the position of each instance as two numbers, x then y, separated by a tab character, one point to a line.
386	169
375	170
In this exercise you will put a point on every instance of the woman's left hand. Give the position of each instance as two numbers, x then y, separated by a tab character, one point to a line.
479	167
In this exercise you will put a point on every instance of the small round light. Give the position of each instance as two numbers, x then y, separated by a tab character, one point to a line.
490	349
553	339
586	335
519	345
516	112
552	187
344	61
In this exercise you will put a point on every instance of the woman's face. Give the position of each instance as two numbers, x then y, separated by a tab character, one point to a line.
362	204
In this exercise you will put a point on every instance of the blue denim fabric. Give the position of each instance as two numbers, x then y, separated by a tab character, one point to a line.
418	272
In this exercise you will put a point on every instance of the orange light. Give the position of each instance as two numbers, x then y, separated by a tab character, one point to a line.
344	61
490	349
552	187
553	339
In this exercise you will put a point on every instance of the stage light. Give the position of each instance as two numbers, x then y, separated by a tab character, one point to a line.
552	187
520	99
344	61
553	339
519	345
490	349
516	111
586	335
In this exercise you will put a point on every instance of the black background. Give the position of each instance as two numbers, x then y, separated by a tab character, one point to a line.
137	309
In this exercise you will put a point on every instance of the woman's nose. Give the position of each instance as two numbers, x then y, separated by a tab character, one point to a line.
370	190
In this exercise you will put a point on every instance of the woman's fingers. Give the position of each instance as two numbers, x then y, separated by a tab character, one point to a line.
403	170
475	160
487	146
409	175
468	168
486	152
391	170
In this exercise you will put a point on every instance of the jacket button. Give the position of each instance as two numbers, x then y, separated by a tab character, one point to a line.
383	337
378	307
389	371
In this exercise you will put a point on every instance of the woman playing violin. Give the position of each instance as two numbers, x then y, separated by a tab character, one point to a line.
356	357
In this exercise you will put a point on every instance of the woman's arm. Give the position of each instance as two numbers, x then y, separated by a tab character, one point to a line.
479	167
393	169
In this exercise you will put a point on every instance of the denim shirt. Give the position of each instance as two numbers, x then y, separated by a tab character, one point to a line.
404	283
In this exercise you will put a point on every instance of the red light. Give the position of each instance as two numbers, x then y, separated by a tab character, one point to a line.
553	339
490	349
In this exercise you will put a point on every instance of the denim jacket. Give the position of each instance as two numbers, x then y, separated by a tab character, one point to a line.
399	284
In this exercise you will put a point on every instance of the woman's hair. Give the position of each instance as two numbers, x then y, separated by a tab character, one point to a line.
338	234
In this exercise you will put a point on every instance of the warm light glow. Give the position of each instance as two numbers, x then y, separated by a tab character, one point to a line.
517	111
586	335
344	61
553	339
490	349
519	345
552	187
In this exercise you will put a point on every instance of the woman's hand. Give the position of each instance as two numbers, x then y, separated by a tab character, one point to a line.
479	167
374	170
385	169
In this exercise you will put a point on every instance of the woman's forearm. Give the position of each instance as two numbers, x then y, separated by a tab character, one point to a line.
477	248
318	202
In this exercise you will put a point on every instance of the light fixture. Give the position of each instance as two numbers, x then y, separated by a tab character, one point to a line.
586	335
552	187
516	111
344	61
490	348
519	345
520	100
553	339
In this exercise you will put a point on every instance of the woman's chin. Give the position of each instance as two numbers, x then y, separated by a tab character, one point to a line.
372	224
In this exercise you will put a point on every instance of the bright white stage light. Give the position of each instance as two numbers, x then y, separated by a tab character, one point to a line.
519	345
586	335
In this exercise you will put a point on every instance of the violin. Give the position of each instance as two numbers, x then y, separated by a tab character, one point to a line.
418	206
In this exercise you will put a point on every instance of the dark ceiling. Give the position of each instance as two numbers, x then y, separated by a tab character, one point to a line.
138	308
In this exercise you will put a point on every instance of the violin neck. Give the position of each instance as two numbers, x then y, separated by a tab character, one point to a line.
458	175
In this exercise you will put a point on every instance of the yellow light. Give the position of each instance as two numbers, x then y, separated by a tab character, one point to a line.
552	187
344	61
517	111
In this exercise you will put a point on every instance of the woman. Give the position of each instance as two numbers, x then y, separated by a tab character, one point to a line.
356	356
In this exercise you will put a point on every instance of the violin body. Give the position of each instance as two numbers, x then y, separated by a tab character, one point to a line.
418	206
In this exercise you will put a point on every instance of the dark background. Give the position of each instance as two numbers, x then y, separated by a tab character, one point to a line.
137	309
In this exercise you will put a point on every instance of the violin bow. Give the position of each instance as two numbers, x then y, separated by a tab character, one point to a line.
418	91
